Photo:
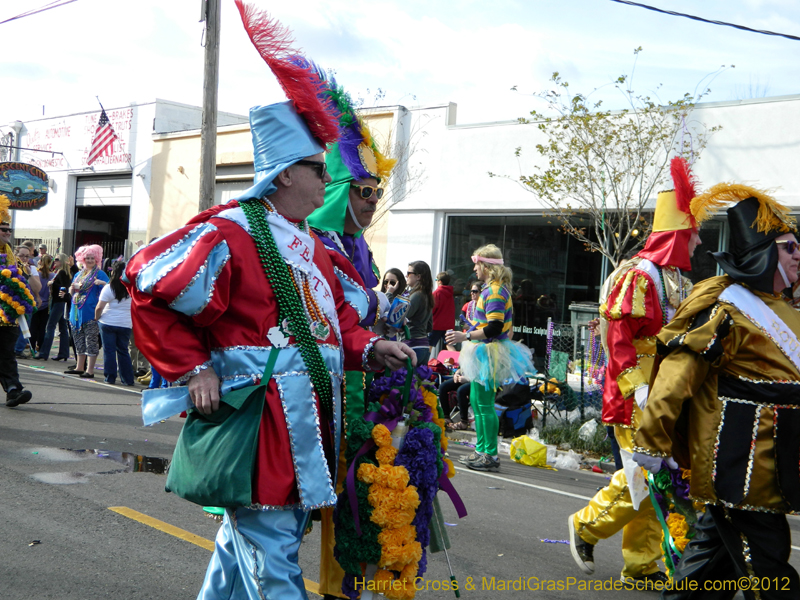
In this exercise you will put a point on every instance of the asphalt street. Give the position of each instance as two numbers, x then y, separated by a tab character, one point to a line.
85	515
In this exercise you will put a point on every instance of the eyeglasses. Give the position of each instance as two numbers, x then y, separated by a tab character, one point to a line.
410	273
6	229
791	245
319	166
389	282
474	291
366	191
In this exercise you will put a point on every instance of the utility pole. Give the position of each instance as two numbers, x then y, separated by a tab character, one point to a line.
208	132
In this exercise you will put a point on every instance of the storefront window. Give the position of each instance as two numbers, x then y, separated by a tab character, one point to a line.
551	269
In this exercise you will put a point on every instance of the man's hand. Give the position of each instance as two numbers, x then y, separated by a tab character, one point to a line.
393	354
204	390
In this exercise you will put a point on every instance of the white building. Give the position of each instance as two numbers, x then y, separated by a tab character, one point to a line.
107	202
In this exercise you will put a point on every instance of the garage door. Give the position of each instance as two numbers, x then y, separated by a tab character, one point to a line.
96	191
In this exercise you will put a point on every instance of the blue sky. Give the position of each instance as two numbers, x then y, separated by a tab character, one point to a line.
417	52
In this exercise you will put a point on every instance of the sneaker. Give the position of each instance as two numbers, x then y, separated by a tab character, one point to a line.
647	582
582	552
465	460
17	397
485	463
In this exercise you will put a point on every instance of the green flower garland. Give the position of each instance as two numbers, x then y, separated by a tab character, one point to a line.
289	304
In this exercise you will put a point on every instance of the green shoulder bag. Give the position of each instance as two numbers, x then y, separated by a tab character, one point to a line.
214	459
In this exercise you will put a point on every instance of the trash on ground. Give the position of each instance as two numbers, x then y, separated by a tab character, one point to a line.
570	460
527	451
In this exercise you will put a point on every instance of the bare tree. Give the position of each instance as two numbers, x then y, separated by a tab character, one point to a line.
602	167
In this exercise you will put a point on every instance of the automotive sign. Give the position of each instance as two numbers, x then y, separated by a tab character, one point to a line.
25	185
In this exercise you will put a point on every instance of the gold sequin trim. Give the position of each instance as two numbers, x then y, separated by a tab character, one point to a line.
606	510
748	560
716	442
750	380
649	452
751	456
616	309
638	308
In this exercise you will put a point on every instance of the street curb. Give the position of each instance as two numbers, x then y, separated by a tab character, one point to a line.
586	462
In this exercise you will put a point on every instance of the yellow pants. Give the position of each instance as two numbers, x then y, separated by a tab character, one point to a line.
330	573
611	510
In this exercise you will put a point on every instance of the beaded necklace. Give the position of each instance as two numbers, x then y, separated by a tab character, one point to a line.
663	299
290	306
85	280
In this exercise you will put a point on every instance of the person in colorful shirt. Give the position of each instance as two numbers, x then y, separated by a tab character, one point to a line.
198	285
357	168
489	359
9	330
643	296
85	289
724	404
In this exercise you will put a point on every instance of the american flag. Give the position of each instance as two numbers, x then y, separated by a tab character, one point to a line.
103	142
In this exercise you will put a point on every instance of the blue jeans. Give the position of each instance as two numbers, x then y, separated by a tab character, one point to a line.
115	348
56	318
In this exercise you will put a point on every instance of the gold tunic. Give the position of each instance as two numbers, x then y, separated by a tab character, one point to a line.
717	399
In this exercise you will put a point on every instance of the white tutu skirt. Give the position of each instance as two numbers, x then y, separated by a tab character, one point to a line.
494	364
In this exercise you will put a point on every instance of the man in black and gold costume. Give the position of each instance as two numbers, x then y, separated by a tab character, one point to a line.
726	404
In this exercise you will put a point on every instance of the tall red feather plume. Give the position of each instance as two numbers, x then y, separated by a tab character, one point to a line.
685	185
302	85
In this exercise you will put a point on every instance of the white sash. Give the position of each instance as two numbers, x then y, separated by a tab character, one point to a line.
763	317
297	249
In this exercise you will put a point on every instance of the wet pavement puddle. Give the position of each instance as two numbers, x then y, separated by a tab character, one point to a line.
128	461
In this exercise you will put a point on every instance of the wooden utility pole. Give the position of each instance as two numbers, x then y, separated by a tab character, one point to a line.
208	132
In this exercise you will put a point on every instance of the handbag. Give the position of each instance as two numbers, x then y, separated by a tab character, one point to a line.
214	459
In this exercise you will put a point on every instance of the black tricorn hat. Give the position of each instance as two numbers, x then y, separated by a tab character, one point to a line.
755	221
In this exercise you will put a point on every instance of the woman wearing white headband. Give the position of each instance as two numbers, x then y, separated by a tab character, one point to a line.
489	359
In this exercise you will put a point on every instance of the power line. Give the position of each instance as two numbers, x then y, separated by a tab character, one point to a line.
677	14
48	6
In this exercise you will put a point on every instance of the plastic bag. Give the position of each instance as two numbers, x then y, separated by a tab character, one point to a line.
587	430
527	451
570	461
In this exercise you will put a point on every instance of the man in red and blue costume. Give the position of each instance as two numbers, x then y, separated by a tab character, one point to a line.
205	313
639	298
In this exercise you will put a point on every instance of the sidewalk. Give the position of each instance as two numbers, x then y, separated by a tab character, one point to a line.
469	437
61	366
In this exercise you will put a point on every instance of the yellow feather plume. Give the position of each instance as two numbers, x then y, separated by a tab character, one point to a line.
385	164
771	213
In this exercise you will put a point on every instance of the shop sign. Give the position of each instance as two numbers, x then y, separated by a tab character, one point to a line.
25	185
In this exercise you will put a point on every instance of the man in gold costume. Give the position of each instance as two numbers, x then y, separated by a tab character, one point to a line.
726	404
646	292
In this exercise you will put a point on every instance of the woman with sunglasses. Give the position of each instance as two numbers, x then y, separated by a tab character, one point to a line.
489	359
420	311
393	284
468	310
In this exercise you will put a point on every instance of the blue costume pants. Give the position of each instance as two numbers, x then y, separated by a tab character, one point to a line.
256	557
